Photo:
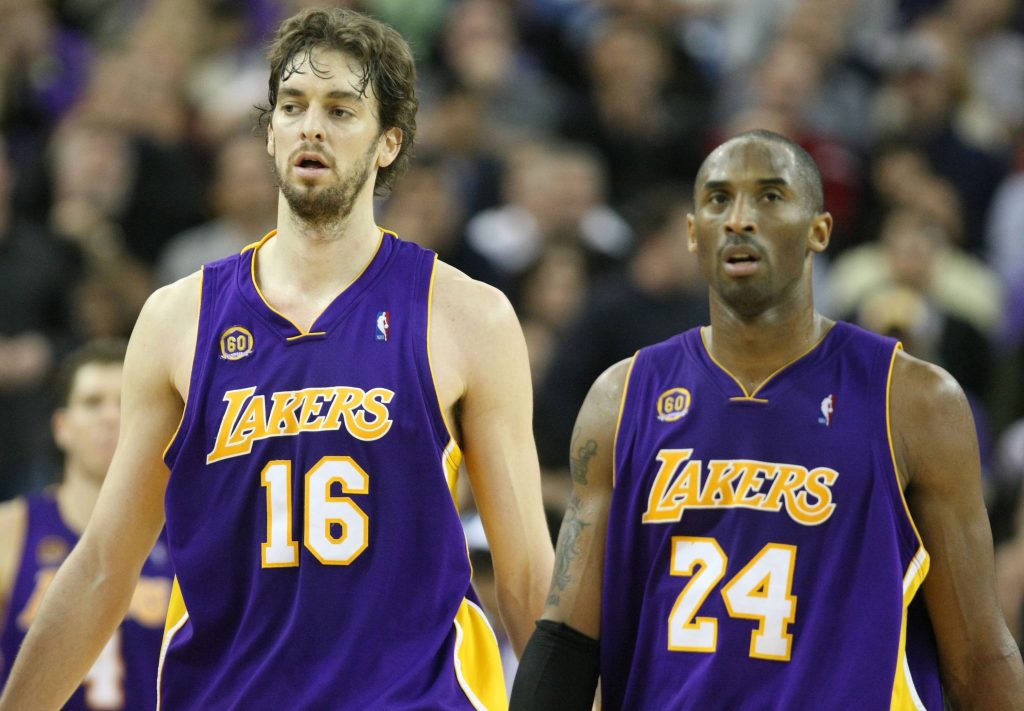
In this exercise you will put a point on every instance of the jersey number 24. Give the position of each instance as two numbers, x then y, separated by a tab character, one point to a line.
762	591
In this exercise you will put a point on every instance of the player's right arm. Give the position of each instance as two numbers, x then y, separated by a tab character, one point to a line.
91	592
559	667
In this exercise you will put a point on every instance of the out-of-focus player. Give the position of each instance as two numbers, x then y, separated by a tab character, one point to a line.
37	533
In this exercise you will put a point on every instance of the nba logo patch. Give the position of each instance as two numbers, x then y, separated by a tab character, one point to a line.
383	325
828	406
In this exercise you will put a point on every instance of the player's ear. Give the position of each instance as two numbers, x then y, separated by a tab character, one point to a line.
691	234
270	139
820	232
390	145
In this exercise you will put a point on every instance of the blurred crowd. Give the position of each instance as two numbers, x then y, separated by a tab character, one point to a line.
557	147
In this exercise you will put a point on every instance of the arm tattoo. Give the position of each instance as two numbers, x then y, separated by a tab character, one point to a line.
568	549
579	459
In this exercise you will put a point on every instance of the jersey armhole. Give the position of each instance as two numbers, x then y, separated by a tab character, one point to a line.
443	431
195	375
618	419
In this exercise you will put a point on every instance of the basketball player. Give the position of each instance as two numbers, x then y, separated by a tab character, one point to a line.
776	511
318	392
37	533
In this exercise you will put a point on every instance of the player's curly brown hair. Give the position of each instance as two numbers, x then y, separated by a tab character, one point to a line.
388	68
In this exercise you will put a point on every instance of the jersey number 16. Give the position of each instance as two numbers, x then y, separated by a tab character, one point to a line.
323	511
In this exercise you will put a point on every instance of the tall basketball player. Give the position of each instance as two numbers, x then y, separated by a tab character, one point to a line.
38	531
302	409
776	511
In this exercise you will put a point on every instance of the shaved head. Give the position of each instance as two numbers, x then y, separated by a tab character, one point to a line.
806	169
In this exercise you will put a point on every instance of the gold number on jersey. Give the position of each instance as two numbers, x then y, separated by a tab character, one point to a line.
762	591
323	510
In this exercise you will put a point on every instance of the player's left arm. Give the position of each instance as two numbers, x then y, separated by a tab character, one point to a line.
476	339
937	452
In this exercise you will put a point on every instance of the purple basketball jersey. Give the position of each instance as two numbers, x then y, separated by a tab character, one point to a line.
320	559
760	551
124	675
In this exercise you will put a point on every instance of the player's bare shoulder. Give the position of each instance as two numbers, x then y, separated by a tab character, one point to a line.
599	415
469	318
470	302
930	416
166	331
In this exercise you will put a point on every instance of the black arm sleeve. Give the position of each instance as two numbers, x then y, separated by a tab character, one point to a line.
558	671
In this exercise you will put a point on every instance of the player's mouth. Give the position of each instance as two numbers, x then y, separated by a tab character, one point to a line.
740	260
310	165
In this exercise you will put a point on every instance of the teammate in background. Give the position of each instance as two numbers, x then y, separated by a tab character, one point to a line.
319	557
774	511
37	532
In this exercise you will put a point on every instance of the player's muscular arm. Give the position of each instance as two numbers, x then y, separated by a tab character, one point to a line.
575	595
559	669
92	590
480	361
937	452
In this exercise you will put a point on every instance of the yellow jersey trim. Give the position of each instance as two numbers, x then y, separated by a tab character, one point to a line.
177	616
904	693
451	459
477	660
455	452
195	348
750	395
252	275
618	420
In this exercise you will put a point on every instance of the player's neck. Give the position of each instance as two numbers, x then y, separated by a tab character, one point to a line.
752	349
303	268
76	498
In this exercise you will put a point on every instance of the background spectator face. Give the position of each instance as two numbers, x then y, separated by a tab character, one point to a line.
911	243
479	43
243	188
93	164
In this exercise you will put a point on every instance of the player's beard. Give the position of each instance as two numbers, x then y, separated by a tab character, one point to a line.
321	207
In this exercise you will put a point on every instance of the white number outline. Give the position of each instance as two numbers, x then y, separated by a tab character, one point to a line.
322	509
756	592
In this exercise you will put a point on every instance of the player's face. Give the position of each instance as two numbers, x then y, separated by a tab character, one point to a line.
325	137
86	429
753	230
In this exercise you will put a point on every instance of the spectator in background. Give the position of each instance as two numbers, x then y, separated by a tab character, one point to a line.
243	200
227	79
915	250
1004	242
548	297
994	53
35	273
659	292
455	132
554	192
425	207
645	131
44	67
925	102
479	51
94	169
